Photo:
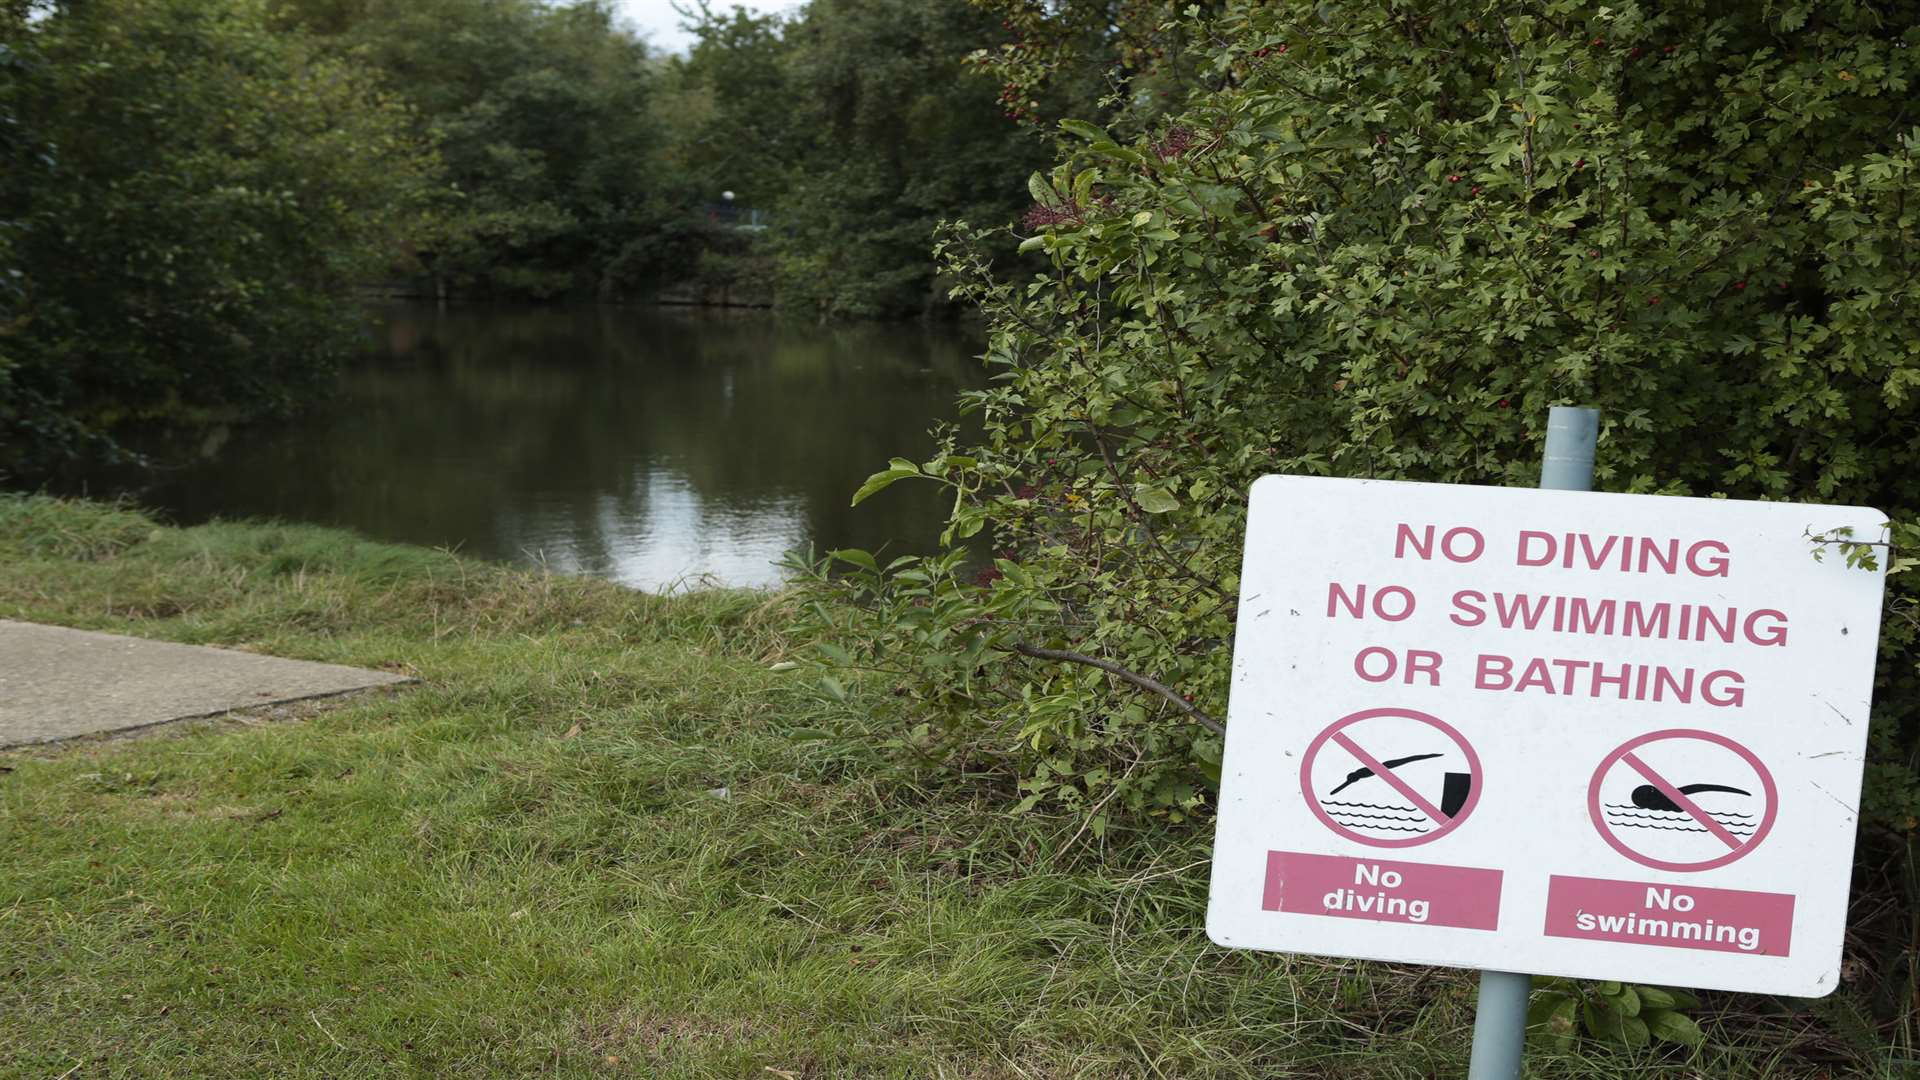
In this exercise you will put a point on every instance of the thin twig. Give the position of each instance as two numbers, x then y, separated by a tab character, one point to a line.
1143	682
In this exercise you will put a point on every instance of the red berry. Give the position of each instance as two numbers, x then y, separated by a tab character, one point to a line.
1653	301
1593	254
1453	178
1597	42
1503	403
1476	189
1739	285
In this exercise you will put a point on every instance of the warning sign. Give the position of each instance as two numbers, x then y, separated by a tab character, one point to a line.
1593	735
1420	786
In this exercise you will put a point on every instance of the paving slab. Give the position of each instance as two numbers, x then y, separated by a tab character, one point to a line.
57	683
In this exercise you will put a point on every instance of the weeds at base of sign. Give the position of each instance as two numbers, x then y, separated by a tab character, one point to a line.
1621	1013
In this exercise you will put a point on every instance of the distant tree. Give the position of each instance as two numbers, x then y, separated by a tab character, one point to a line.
733	122
188	194
894	136
542	114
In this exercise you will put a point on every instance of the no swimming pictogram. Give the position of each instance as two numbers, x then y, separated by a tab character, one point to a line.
1390	777
1682	799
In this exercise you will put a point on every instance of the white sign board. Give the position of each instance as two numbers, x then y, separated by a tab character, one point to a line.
1565	733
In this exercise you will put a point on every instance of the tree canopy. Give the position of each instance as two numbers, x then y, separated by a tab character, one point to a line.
191	194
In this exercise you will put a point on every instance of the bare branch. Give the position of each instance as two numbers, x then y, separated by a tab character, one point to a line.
1143	682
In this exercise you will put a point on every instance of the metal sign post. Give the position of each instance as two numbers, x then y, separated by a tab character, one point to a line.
1500	1018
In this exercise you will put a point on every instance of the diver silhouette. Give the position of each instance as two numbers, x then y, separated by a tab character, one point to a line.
1452	797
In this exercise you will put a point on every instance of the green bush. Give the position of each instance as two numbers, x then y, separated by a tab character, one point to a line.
1382	241
194	193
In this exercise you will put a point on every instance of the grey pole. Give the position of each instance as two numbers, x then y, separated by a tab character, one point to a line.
1571	433
1500	1019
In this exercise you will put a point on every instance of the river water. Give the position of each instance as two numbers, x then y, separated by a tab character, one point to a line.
657	447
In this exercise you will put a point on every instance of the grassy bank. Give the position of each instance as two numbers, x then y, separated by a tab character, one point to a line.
527	864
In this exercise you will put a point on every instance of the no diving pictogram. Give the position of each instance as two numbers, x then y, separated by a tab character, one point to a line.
1390	777
1682	799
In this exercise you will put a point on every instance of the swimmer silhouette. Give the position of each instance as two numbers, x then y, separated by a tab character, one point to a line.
1648	797
1452	797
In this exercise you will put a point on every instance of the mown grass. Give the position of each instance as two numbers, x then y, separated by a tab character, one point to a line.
526	865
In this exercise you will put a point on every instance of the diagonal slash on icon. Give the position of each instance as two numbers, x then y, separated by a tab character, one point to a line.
1384	773
1680	800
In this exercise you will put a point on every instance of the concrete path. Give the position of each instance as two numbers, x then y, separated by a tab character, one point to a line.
57	683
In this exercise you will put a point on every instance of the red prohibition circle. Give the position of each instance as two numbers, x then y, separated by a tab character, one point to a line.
1625	748
1313	751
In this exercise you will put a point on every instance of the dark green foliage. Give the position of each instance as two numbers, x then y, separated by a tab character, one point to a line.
730	103
901	136
858	127
194	192
1626	1014
543	116
1383	246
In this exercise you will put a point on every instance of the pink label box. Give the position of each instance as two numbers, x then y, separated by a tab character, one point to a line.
1382	890
1675	916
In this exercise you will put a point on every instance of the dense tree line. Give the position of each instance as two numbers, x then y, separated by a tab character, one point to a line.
195	186
185	197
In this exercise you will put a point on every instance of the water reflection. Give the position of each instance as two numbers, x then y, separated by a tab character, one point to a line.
650	446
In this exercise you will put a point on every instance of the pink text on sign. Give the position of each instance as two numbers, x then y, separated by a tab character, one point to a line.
1677	916
1382	890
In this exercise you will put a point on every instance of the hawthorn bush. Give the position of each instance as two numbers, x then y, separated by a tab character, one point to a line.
1381	240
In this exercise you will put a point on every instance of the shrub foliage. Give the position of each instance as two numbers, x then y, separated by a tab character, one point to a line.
1382	240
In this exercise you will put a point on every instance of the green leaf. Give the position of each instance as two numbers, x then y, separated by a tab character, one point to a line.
1652	997
1032	243
1041	191
1603	1021
1551	1019
1627	1001
833	688
1155	500
1673	1027
857	557
1089	132
897	469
